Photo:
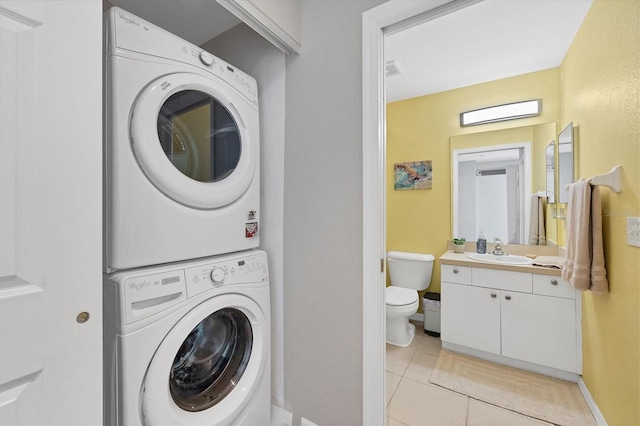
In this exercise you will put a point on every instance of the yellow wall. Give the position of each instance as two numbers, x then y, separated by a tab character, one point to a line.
600	93
420	129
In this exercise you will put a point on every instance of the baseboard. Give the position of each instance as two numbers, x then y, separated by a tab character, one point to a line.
280	416
591	403
417	317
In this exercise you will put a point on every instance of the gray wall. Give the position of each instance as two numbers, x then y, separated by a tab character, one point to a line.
245	49
323	215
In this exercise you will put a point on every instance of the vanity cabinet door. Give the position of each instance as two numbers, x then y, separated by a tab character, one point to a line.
539	329
471	316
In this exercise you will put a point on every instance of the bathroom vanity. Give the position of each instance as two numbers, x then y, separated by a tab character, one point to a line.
524	316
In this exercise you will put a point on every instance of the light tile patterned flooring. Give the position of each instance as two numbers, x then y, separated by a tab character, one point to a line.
413	401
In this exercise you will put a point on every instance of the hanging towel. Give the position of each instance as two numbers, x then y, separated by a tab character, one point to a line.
537	233
584	267
599	282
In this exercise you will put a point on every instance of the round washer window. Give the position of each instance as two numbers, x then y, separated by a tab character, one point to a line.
199	136
211	360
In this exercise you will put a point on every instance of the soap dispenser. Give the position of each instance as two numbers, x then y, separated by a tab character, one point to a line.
481	244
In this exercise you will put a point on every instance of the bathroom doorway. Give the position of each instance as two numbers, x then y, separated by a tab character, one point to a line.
395	18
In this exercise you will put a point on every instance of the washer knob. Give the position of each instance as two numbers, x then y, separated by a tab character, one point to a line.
206	58
217	275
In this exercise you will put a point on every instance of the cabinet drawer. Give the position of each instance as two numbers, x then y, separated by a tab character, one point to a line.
455	274
503	280
548	285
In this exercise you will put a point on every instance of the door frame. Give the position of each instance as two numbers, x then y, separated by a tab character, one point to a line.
388	18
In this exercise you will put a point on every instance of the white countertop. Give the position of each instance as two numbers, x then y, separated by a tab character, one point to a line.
460	259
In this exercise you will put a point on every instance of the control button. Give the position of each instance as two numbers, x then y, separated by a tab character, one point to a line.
217	275
206	59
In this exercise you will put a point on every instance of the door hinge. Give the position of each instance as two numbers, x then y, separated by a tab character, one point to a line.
381	265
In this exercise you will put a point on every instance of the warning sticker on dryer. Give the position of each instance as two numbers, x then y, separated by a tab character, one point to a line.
251	229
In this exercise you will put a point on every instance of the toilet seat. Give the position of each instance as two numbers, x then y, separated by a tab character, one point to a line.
399	296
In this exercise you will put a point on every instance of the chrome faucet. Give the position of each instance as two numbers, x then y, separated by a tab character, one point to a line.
497	251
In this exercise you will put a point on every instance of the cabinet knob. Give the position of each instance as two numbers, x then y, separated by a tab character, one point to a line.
554	282
508	297
493	295
455	271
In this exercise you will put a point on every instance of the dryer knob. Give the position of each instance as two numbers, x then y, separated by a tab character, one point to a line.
217	275
206	58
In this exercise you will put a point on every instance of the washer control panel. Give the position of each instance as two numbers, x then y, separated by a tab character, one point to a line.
143	294
240	270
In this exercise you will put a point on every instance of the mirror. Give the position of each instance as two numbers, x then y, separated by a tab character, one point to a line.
550	157
565	162
494	176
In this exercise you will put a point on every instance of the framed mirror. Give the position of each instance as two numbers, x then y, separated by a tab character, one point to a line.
565	162
490	184
550	160
511	213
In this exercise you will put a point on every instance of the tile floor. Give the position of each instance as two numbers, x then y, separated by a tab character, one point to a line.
413	401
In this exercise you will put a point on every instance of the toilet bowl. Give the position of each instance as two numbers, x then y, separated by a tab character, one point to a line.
410	273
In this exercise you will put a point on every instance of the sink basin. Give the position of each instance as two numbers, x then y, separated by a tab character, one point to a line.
507	259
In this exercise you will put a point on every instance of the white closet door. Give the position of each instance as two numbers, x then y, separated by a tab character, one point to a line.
50	212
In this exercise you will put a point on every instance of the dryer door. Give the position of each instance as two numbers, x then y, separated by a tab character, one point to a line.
189	137
209	366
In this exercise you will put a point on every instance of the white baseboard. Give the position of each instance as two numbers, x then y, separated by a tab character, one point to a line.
307	422
591	403
417	317
280	416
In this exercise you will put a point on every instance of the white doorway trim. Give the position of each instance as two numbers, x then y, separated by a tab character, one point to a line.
389	17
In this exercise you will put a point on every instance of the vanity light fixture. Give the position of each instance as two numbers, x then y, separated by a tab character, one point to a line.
501	113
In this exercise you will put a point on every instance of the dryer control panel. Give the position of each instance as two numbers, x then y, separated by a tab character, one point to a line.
146	292
131	33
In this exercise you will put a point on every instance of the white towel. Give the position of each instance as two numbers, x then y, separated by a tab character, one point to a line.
537	233
584	267
549	261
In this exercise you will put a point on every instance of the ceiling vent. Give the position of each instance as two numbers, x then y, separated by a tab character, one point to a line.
392	68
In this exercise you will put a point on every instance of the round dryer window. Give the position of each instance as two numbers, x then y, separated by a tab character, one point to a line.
190	138
199	136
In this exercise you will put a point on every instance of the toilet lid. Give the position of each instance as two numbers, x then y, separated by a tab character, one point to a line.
399	296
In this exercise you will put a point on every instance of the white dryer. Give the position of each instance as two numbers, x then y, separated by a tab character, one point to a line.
189	343
182	149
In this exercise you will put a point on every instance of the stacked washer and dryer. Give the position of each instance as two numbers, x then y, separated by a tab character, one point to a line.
186	292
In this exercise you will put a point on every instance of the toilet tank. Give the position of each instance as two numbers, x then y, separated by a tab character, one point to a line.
410	270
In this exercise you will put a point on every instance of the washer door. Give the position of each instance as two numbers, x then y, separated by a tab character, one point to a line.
209	366
191	141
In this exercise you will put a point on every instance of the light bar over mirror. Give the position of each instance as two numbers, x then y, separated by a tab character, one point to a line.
501	113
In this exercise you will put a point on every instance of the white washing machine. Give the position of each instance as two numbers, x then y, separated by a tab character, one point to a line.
182	149
189	343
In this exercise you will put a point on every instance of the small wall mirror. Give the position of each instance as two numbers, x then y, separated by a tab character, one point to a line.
550	158
565	162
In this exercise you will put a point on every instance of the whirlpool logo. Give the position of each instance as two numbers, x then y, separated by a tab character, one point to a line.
128	20
139	285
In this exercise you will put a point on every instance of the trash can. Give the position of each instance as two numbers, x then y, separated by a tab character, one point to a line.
431	309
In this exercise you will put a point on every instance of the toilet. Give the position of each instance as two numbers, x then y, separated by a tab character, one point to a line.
410	273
